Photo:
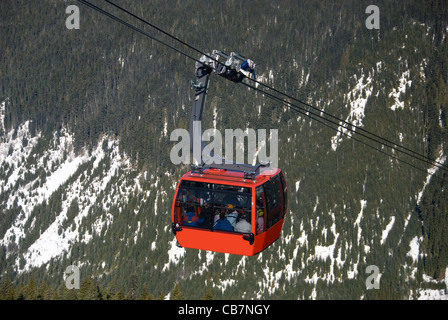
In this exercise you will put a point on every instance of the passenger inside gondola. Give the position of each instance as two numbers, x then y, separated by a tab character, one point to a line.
223	213
232	215
243	225
214	207
223	224
206	214
260	221
191	218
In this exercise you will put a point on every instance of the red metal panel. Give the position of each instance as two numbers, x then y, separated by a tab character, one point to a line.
219	241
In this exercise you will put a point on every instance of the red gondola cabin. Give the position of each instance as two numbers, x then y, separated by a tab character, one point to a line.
229	211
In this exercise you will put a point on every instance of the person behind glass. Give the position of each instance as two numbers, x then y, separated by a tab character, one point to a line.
222	223
216	217
231	215
260	221
243	224
191	219
206	215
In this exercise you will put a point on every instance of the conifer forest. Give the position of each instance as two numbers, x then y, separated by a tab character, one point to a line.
86	178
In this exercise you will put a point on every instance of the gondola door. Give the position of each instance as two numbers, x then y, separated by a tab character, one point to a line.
270	208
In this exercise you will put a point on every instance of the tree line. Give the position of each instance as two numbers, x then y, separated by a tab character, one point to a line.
89	289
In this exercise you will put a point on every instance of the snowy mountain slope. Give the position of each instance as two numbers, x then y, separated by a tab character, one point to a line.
324	246
59	164
106	207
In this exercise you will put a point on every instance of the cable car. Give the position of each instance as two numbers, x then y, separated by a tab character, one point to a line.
225	206
229	211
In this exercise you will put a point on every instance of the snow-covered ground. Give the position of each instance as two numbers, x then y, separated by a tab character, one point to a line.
2	116
63	168
404	84
434	294
51	243
441	159
60	164
357	100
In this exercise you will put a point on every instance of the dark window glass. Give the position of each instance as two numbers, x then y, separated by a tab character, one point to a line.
214	206
274	200
285	193
261	209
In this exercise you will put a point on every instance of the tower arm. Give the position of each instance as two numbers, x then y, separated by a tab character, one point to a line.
233	67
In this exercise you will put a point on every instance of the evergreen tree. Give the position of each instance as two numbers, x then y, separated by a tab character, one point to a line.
145	295
110	291
119	295
67	294
88	290
208	295
7	291
29	290
133	286
45	292
176	294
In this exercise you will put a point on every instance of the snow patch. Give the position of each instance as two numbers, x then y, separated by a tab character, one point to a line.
2	116
433	170
31	178
387	230
297	185
358	219
324	253
121	61
175	254
55	240
357	99
15	147
432	294
396	93
414	249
